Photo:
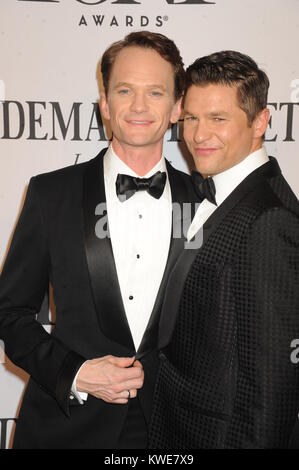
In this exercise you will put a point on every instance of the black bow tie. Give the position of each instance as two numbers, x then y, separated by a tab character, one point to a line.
126	186
204	187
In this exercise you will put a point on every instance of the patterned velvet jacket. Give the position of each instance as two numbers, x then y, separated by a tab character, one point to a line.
231	312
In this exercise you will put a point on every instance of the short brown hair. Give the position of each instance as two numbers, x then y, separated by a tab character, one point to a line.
231	68
165	47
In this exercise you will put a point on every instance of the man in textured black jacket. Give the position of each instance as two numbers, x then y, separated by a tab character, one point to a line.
231	312
108	275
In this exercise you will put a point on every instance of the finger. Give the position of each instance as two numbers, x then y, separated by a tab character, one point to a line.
133	393
125	394
120	401
133	384
120	387
116	401
112	397
126	374
138	364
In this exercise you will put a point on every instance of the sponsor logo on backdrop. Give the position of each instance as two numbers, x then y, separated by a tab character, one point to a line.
40	120
127	2
142	21
54	121
114	19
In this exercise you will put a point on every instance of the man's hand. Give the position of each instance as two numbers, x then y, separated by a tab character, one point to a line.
110	378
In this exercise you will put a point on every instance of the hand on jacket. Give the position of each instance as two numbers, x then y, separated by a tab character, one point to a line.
110	378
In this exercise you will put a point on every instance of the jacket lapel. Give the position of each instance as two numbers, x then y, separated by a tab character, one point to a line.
102	270
181	193
182	267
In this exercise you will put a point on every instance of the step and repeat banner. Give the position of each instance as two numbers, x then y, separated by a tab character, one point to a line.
49	116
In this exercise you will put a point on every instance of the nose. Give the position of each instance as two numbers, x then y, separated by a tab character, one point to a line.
201	132
139	103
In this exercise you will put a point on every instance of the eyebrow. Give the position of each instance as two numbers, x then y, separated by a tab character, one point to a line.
120	84
211	114
126	84
218	113
188	112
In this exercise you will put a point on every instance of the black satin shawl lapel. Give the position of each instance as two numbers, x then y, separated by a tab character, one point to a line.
181	192
102	270
180	271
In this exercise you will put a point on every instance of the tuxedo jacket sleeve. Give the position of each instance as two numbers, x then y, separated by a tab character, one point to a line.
267	318
23	284
55	242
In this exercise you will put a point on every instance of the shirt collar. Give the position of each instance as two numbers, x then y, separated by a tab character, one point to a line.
228	180
113	165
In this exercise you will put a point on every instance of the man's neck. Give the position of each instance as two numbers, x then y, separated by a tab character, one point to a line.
140	159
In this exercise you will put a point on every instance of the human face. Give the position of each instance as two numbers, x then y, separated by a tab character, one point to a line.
216	129
140	101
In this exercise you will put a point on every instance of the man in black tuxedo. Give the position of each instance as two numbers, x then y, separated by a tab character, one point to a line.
230	315
108	275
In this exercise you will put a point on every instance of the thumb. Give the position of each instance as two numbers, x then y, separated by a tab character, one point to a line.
123	361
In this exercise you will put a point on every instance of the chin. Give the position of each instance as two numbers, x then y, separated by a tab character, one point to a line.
203	169
207	168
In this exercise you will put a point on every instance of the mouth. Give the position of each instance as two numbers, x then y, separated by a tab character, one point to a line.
204	151
139	122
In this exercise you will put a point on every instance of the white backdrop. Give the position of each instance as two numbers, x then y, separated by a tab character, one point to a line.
50	50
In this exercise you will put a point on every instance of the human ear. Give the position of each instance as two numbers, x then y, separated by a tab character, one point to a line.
104	107
176	111
261	123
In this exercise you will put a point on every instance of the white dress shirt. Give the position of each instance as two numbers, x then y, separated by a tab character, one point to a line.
225	183
140	231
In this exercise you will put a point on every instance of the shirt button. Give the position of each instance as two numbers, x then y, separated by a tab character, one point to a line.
138	256
140	216
131	297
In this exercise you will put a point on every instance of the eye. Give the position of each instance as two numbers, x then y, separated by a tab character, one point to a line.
156	93
218	119
190	118
124	91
